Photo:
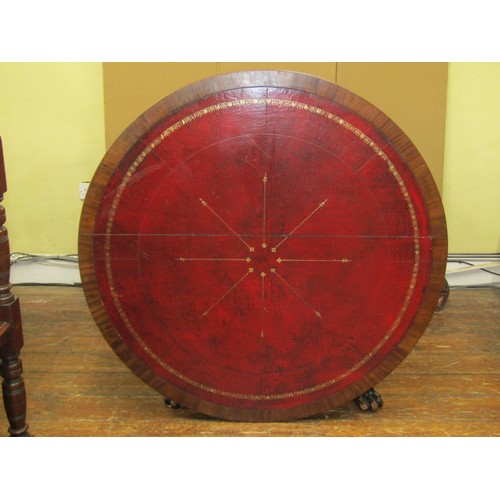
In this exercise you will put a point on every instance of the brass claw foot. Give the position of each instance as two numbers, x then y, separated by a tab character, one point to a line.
369	400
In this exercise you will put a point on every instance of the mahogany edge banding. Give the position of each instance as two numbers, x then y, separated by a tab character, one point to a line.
296	81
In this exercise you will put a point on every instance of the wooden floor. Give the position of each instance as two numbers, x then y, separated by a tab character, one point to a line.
76	386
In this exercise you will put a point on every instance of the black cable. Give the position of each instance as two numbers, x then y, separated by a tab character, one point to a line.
488	271
73	285
480	268
476	287
24	257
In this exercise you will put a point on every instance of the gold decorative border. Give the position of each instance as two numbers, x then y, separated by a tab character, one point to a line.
236	104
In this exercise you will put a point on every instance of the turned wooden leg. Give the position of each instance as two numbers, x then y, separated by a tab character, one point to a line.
11	332
14	395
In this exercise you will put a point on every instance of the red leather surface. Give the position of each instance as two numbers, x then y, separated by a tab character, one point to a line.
262	248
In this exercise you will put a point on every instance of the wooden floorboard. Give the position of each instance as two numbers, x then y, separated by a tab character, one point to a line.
449	385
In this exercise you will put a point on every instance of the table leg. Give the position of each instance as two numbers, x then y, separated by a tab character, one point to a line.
14	394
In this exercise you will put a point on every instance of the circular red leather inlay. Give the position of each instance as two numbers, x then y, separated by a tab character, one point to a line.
262	248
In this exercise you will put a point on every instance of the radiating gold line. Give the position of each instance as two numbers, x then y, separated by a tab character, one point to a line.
263	276
344	260
185	259
220	107
264	181
250	270
205	204
317	313
262	150
321	205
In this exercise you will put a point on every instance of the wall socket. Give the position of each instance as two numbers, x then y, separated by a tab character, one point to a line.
83	189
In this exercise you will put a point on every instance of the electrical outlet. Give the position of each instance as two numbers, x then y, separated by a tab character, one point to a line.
83	189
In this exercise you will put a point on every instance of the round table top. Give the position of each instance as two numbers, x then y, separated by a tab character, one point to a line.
262	246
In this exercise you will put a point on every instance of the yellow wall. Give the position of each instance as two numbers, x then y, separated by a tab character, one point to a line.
52	128
412	94
472	158
131	88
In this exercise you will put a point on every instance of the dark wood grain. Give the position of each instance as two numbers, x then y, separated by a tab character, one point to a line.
11	333
447	386
133	135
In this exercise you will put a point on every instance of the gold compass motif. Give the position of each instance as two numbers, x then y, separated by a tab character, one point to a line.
263	263
226	242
